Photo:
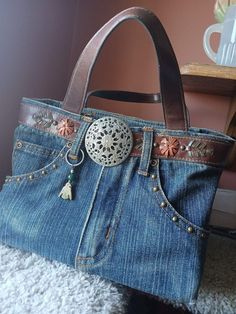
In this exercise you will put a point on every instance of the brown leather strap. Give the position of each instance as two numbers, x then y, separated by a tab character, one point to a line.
126	96
170	80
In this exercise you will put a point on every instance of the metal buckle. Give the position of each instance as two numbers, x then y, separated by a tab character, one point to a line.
108	141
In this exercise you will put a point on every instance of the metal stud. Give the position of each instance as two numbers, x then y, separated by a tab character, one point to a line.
155	188
203	235
153	176
18	179
163	204
31	177
43	172
61	155
6	180
19	144
54	166
55	122
175	218
155	144
153	162
190	229
69	144
182	147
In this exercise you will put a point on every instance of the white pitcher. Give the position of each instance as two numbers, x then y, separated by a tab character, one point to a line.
226	54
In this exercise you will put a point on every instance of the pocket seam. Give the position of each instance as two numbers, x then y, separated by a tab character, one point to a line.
170	211
35	149
38	173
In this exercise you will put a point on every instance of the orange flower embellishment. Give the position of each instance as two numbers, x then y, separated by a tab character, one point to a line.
169	146
65	127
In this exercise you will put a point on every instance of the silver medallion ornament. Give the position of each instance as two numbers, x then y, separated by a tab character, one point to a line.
108	141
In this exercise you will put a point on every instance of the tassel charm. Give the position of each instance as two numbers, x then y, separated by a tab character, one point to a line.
66	191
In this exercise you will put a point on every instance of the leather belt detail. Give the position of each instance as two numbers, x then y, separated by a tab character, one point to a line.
191	149
48	120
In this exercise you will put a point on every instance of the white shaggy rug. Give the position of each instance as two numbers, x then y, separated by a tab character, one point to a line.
31	284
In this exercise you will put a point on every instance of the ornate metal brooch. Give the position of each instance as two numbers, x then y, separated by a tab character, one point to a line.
108	141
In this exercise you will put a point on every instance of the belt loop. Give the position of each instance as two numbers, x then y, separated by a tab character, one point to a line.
146	151
75	148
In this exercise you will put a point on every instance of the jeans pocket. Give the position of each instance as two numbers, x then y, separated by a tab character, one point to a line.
188	190
28	157
35	154
41	168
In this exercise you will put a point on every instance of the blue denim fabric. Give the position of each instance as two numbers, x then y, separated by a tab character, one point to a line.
116	226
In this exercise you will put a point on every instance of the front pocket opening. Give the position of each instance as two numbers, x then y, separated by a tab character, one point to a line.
175	215
53	165
28	157
34	149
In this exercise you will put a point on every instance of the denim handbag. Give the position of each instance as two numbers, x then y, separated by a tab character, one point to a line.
117	196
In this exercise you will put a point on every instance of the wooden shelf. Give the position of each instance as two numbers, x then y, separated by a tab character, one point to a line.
209	79
217	80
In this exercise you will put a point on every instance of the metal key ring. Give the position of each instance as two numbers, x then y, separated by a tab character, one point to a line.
78	163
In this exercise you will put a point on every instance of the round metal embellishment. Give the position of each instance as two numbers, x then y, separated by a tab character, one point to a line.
169	146
65	127
108	141
19	144
75	164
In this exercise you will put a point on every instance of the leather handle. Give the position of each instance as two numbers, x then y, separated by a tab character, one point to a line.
126	96
170	80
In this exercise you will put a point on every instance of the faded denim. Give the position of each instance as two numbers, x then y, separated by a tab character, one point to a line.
115	227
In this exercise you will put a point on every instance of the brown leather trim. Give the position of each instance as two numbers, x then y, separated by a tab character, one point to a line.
47	120
191	149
